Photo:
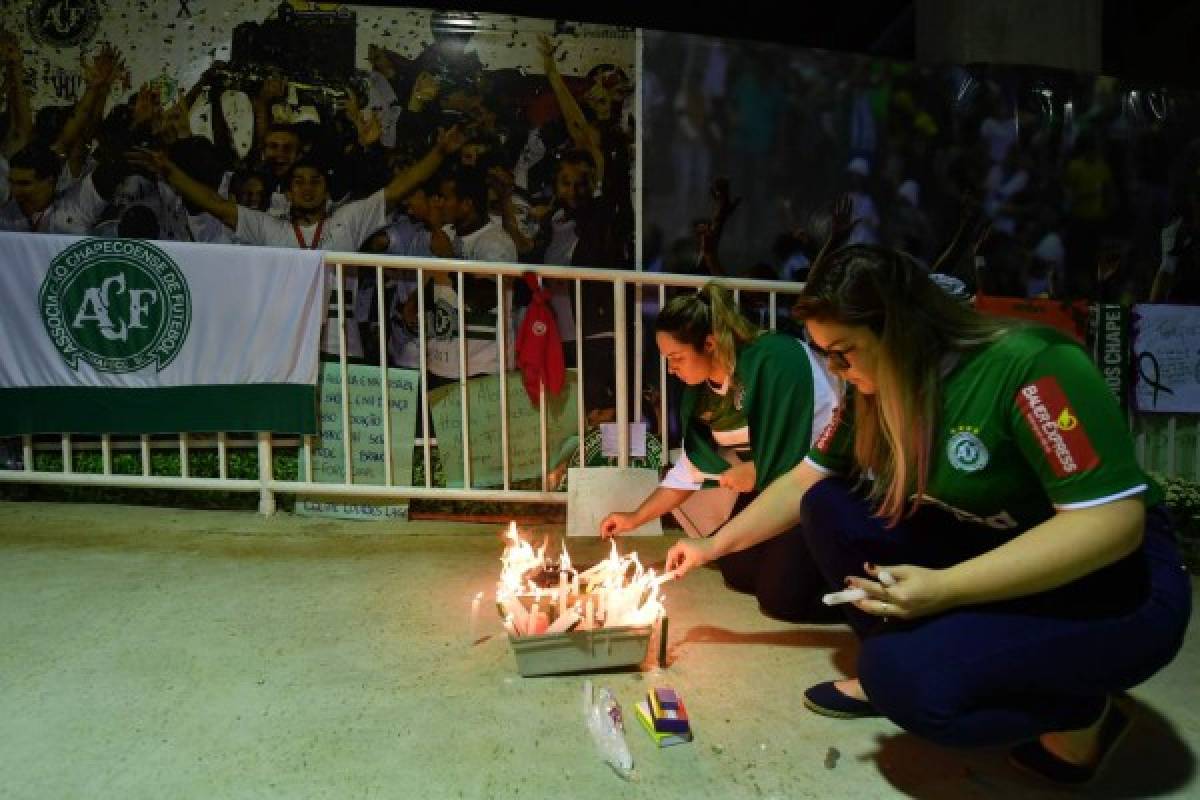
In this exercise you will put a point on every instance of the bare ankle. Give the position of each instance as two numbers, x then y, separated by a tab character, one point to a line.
851	687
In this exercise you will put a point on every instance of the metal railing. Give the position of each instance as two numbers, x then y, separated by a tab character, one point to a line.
628	335
1177	457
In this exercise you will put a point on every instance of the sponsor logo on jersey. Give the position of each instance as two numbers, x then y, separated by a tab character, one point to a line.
966	451
826	438
1056	427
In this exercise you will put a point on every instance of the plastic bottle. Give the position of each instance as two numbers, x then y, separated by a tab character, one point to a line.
607	726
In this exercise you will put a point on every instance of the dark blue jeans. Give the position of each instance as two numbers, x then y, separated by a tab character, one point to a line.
1001	672
780	573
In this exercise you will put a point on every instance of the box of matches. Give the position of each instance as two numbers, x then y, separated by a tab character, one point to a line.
661	738
667	711
580	651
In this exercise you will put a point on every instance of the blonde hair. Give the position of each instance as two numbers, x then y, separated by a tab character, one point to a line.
710	310
919	327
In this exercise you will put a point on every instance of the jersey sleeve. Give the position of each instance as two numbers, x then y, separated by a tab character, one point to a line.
833	450
1070	430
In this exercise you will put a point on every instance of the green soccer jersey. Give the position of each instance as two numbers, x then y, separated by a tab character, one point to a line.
725	415
1027	426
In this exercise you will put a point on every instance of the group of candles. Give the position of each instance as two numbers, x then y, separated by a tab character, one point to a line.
535	596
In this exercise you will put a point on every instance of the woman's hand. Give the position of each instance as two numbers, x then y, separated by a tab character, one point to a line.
687	554
740	477
906	592
618	523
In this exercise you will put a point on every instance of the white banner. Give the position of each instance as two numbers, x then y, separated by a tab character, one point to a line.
83	316
1166	358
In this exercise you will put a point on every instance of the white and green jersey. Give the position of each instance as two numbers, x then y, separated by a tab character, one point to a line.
722	410
1027	427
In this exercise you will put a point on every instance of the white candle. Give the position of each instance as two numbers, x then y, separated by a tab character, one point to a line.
564	622
562	593
533	619
589	613
516	612
845	596
473	627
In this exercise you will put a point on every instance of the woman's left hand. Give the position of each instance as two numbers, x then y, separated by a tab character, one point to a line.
740	477
915	592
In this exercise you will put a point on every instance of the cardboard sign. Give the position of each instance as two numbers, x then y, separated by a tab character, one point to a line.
366	439
595	492
524	428
1166	361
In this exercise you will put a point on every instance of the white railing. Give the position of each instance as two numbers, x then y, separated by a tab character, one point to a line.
1174	449
625	324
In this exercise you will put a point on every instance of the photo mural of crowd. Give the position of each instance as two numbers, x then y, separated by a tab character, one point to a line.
1011	182
1064	185
289	143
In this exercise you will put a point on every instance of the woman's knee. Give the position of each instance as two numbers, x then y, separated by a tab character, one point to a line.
827	502
921	701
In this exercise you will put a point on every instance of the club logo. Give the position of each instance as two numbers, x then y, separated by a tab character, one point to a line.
119	305
63	23
967	451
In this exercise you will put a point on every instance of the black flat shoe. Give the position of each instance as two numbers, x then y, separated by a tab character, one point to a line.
829	701
1032	757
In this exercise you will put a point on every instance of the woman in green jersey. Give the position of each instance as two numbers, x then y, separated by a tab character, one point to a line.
751	405
979	488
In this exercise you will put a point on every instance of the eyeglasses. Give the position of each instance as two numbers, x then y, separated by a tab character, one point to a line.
836	358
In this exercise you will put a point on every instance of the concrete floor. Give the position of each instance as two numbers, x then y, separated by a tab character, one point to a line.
154	653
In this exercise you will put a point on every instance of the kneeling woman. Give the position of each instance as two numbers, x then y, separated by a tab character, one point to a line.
751	403
1030	566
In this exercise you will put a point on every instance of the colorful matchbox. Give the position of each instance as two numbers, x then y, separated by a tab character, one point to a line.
662	739
667	711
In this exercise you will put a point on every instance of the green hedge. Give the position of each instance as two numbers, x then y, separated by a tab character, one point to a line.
1183	498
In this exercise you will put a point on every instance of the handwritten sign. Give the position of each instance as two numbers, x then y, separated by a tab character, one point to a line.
524	438
1166	361
596	492
367	455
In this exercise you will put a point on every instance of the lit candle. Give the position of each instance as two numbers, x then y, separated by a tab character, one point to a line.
563	592
474	622
534	614
589	613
